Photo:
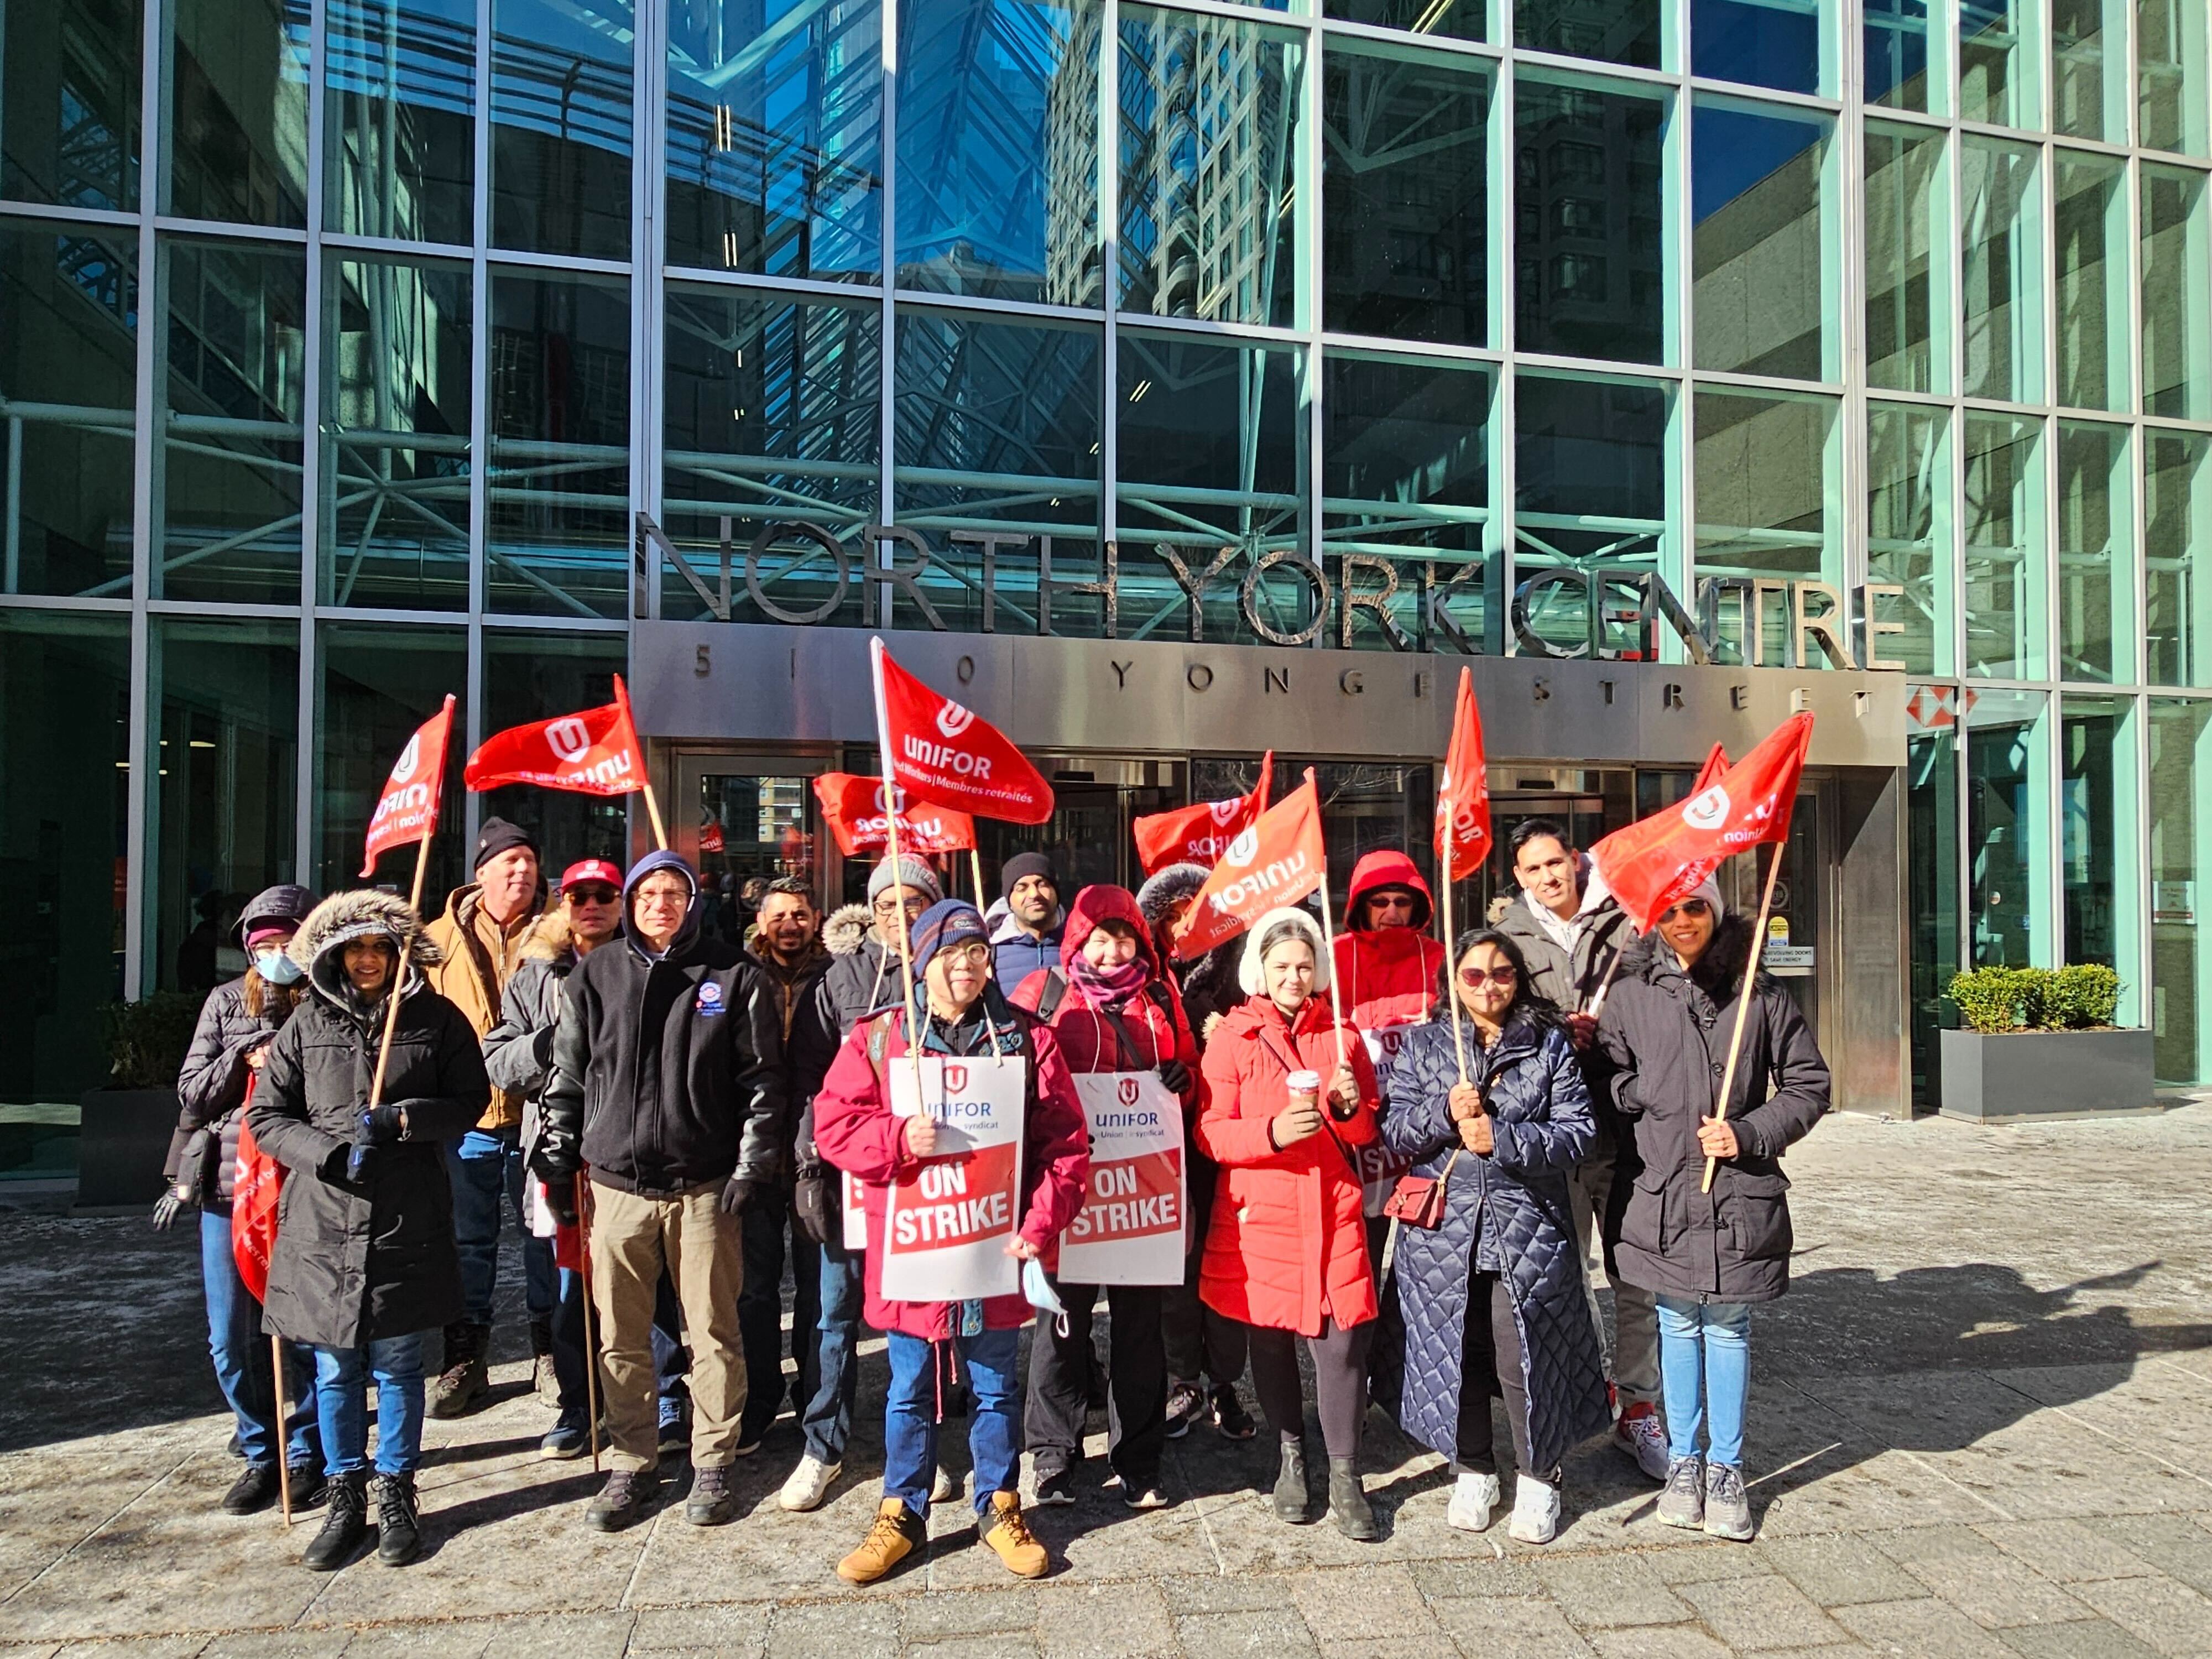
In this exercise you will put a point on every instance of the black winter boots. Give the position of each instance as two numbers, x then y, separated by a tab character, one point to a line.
1291	1498
1347	1502
398	1520
345	1525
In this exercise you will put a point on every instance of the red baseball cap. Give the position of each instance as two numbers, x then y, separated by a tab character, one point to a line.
591	869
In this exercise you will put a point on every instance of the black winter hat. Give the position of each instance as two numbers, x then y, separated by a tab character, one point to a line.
1026	864
285	902
1167	887
498	835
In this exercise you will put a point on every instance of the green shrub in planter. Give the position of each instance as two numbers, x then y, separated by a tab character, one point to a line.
1991	999
2084	995
2079	998
146	1041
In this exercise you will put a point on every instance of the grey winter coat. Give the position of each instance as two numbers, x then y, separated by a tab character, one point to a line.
1506	1213
1667	1031
211	1087
1566	981
863	978
358	1260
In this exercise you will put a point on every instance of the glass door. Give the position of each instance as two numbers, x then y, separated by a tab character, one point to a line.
743	821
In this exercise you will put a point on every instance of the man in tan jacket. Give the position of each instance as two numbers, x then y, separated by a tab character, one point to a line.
481	937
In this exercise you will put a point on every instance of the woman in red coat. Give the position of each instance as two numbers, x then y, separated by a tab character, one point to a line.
1286	1252
1110	1009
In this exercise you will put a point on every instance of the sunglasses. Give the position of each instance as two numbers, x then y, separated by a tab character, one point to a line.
589	894
1694	907
1475	978
1391	900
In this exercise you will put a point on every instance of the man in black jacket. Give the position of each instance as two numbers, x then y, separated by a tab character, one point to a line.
668	1081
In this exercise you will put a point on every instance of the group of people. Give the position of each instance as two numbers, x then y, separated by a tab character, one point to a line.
598	1060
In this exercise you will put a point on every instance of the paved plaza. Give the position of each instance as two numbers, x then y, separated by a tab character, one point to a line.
1981	1427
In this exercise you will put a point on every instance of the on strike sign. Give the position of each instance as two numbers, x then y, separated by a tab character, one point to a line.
1130	1229
946	1222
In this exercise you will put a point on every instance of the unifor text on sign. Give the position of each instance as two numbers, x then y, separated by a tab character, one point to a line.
947	1220
1131	1228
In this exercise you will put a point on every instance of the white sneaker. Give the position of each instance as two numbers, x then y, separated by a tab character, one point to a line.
946	1487
1473	1497
1536	1510
1642	1439
809	1485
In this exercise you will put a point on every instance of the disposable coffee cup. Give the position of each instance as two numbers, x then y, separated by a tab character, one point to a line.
1304	1087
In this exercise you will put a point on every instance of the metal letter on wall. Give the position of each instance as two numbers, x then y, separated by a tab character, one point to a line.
1374	601
908	580
1248	593
821	537
1195	586
1108	586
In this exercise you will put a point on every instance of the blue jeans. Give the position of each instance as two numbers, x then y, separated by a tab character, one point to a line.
1704	1371
240	1348
486	1166
342	1375
992	1363
830	1371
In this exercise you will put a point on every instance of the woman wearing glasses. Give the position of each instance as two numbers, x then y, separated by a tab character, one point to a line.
1707	1255
1490	1299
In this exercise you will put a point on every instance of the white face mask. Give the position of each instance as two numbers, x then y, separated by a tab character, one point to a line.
277	967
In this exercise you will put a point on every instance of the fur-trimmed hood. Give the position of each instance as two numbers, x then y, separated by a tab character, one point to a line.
551	938
363	913
847	929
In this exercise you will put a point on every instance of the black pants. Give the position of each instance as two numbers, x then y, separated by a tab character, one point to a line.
1136	1384
1339	1361
760	1310
1490	1354
1201	1343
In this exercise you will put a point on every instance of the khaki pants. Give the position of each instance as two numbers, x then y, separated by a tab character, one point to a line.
633	1238
1635	1350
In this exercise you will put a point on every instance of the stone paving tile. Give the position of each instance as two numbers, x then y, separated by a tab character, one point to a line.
1839	1572
1766	1611
2085	1638
564	1636
1665	1642
152	1647
944	1614
2168	1616
1353	1604
1233	1633
810	1630
1500	1576
1597	1592
1920	1630
974	1647
1509	1628
1908	1544
1701	1563
2159	1413
2066	1552
1103	1621
1995	1590
428	1641
2177	1545
739	1629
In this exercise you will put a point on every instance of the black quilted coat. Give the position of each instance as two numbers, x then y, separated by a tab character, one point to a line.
1508	1210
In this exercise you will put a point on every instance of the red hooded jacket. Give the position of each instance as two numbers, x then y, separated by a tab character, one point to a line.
1156	1029
1387	975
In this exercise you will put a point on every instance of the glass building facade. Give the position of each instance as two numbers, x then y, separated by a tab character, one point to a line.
343	343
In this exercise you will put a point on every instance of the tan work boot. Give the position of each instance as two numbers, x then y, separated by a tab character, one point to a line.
1010	1536
896	1534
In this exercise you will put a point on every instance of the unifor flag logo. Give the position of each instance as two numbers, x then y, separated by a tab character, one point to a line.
1708	810
952	719
1223	811
858	812
1202	833
948	755
593	751
890	799
1241	849
568	738
956	1079
1128	1090
410	758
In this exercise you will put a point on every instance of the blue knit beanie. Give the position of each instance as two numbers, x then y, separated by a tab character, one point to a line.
948	921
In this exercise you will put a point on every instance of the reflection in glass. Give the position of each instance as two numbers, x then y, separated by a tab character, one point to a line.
1764	43
2002	247
229	485
2091	229
772	417
2170	101
1759	245
996	429
1765	471
1406	205
2176	276
1586	197
237	118
1456	20
525	676
1618	31
2179	776
1896	62
394	524
1405	452
557	527
1909	533
2096	554
2178	551
225	802
2008	829
998	188
378	684
1932	825
1209	146
561	89
2099	839
399	102
1905	210
2005	596
1589	491
2089	69
69	103
69	375
1998	42
774	150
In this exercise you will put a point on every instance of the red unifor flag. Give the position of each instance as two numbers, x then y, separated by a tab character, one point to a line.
592	752
254	1185
1715	769
854	809
942	752
1463	790
1202	833
407	810
1278	861
1658	860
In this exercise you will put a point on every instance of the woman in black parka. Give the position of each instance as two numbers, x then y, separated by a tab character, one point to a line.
365	1262
1707	1256
1492	1300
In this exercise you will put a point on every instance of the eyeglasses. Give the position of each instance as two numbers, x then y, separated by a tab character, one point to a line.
591	894
1391	900
1475	978
885	904
1695	909
973	954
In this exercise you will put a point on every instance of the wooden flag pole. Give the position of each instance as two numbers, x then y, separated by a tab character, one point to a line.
1451	970
653	811
975	869
399	973
1328	943
283	1429
1743	1005
1595	1005
890	826
591	1347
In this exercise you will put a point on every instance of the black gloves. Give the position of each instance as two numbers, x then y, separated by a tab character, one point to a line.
561	1200
814	1206
738	1193
382	1125
167	1209
541	1044
556	1161
1176	1075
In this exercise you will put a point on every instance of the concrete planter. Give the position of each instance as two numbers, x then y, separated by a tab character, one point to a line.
2023	1077
122	1140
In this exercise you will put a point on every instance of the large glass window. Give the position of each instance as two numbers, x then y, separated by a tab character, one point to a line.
1587	203
527	677
2090	294
394	529
225	802
557	540
1765	43
228	473
69	375
2177	276
772	418
64	844
1209	157
2009	830
2089	69
2180	847
237	113
1931	828
1998	48
2005	572
399	104
561	88
2001	242
1764	282
1896	61
1618	31
2171	102
2177	550
1405	219
2096	554
69	102
1909	532
775	147
1457	20
1590	492
378	684
1767	471
2100	840
1907	211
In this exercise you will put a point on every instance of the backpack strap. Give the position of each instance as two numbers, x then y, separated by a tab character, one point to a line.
1056	988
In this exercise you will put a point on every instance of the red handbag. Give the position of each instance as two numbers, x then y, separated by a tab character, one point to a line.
1418	1200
